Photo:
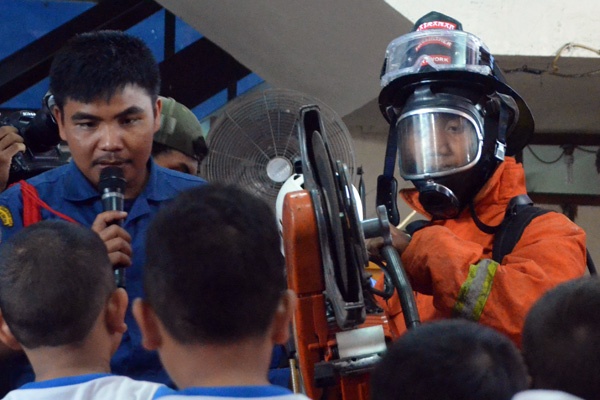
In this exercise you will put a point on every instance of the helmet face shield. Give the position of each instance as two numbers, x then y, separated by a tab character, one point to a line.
437	142
435	50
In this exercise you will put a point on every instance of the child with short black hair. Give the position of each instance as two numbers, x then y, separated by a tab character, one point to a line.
561	342
60	304
216	296
450	359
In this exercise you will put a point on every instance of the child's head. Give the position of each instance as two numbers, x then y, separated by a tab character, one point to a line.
561	338
450	359
55	280
214	273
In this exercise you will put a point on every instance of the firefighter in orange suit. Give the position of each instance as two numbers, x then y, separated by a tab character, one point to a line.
458	126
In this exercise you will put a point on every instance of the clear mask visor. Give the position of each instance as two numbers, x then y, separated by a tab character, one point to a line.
437	142
436	50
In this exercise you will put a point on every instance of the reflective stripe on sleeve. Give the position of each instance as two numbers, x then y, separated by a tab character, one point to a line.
475	290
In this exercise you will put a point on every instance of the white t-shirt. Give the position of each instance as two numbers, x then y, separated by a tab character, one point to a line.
270	392
86	387
539	394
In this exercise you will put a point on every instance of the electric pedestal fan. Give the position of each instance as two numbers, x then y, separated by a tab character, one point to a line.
254	141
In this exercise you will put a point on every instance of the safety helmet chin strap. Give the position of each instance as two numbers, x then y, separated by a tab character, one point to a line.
508	114
387	185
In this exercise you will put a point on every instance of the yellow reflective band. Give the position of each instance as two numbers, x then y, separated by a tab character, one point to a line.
6	216
476	289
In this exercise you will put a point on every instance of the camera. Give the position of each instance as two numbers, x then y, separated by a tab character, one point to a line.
40	134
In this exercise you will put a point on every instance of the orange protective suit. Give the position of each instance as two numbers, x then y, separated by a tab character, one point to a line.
450	268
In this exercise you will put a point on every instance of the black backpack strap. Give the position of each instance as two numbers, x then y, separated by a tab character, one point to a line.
590	263
519	213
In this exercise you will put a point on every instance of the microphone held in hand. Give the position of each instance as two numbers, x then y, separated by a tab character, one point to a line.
112	189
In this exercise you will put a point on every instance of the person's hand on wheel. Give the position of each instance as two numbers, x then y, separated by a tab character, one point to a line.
400	241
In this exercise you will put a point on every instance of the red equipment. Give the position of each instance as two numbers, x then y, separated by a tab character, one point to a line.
326	260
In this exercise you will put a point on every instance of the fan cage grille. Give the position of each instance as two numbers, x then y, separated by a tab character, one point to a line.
260	126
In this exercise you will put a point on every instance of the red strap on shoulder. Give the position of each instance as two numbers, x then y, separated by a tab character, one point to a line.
32	204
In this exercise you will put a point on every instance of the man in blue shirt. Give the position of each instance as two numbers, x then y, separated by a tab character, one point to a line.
105	86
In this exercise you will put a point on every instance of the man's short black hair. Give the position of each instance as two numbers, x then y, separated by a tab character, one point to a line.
214	271
447	360
97	64
55	278
561	338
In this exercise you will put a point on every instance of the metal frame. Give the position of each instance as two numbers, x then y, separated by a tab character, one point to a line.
192	75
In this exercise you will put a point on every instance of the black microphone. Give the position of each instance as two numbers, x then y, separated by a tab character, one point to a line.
112	188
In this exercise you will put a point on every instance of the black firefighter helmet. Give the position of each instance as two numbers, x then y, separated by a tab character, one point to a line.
454	115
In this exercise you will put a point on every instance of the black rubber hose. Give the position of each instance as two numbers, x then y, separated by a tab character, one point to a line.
400	281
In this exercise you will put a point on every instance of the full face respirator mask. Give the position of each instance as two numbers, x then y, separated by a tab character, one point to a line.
449	145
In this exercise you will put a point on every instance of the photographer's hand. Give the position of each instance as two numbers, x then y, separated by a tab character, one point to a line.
115	238
10	144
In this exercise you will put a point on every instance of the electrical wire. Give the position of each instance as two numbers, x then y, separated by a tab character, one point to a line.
554	67
544	161
569	46
581	148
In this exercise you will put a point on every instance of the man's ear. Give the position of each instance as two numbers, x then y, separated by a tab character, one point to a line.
115	311
283	317
149	325
6	335
59	121
158	105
